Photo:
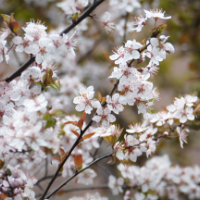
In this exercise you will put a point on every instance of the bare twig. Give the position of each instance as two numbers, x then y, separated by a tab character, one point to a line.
125	26
64	183
44	178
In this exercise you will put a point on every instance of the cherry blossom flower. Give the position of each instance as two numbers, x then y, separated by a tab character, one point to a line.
160	118
115	184
132	48
139	23
183	133
149	133
3	51
81	4
136	129
67	6
32	74
119	55
113	103
34	31
22	44
156	14
130	140
85	101
129	5
36	104
158	49
184	114
189	100
132	153
86	177
123	70
108	25
104	116
70	42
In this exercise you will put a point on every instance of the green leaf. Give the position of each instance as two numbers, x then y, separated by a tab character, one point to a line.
58	113
47	78
50	121
75	17
55	85
158	30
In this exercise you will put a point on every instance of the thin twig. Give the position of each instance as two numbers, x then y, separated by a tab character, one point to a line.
44	178
64	183
125	26
103	169
104	186
97	149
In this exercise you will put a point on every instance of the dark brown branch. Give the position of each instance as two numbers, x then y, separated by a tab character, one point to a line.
83	16
125	26
64	183
21	69
69	28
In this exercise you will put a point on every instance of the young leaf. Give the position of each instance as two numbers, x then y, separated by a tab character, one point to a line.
99	96
83	116
47	78
62	152
58	113
50	121
80	123
103	99
75	133
54	85
75	123
78	161
11	23
88	135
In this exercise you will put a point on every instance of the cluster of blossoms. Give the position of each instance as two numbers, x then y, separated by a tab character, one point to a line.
43	46
143	138
178	114
14	184
3	48
133	87
34	122
158	176
70	7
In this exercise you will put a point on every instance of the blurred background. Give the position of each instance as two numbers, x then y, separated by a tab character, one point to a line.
179	74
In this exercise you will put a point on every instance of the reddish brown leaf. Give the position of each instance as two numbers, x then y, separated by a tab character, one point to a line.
88	135
78	161
103	99
2	196
83	116
14	26
75	132
99	96
71	122
57	159
62	151
80	123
